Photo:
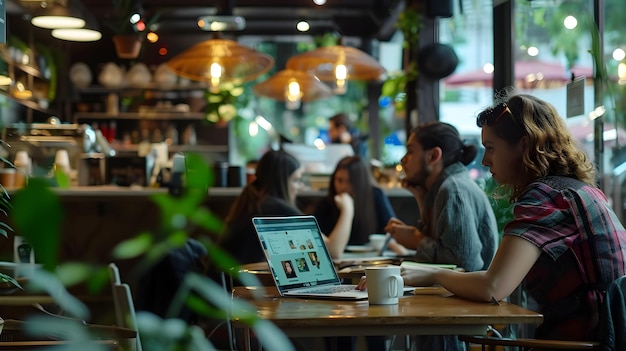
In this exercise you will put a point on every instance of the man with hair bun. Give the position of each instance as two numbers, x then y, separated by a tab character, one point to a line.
457	224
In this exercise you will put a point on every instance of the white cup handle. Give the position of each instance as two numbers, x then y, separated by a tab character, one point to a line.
395	286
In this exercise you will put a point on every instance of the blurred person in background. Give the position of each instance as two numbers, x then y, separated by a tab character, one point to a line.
341	131
372	211
273	192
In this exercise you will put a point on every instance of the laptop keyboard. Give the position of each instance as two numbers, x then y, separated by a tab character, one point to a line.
332	289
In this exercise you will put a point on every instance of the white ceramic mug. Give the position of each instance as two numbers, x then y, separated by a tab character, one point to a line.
384	285
377	241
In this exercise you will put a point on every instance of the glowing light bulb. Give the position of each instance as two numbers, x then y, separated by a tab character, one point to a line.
216	75
341	73
293	95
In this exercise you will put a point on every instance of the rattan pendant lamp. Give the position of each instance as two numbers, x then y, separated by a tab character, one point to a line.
216	61
293	87
338	64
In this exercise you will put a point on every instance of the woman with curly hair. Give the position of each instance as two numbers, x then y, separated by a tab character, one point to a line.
565	244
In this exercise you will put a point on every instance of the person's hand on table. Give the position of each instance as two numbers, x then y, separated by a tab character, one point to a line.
362	285
405	235
419	276
397	248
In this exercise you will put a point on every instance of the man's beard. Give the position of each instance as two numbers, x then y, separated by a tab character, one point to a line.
420	178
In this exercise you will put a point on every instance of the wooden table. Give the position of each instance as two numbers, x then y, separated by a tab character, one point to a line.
350	268
432	311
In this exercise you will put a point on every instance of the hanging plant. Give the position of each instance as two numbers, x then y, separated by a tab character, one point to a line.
128	36
223	106
409	23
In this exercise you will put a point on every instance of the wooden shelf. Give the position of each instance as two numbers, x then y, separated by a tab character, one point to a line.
175	148
141	115
28	103
98	89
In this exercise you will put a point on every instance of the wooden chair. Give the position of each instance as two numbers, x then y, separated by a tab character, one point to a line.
111	345
125	314
612	328
14	338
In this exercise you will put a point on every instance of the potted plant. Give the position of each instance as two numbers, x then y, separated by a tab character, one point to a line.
127	36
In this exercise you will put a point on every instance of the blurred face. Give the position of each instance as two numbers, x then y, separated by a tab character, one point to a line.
295	183
342	182
333	132
415	164
338	134
503	159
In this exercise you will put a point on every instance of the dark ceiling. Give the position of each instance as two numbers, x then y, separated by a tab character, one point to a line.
273	20
266	21
361	18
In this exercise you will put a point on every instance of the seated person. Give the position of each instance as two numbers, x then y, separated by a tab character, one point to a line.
273	193
341	131
372	209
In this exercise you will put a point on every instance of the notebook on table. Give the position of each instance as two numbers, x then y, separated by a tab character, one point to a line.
299	260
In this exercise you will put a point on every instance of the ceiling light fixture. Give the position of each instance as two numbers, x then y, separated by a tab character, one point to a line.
221	23
54	21
58	16
303	26
337	64
293	87
77	34
219	60
89	32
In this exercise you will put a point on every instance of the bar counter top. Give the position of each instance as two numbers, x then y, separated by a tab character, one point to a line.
219	200
114	190
97	218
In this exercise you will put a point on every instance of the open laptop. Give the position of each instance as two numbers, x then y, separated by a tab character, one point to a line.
299	260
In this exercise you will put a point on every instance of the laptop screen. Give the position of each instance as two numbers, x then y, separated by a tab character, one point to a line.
295	251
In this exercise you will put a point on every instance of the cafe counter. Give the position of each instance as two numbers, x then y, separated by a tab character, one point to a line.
97	218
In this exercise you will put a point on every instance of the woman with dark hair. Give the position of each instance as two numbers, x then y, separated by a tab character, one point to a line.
372	209
565	244
273	193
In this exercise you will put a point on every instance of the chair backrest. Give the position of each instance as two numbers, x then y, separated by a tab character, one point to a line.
125	314
114	274
613	320
611	329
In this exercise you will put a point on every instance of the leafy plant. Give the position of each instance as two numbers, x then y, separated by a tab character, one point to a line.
38	217
499	200
222	106
120	20
5	209
409	23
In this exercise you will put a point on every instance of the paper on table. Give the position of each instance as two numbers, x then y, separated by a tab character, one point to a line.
409	264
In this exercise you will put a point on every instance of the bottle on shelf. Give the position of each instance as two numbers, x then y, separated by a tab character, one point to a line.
23	164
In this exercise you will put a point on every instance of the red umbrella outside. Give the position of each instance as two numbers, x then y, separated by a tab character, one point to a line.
528	75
